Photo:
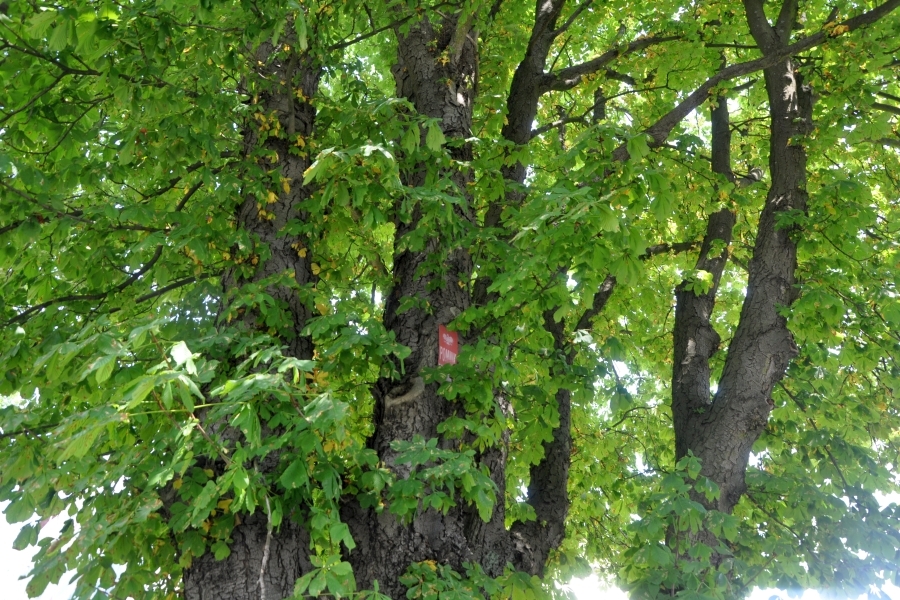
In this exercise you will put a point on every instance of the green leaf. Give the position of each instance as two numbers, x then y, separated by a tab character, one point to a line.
296	475
40	23
19	510
434	139
220	550
638	147
300	29
28	536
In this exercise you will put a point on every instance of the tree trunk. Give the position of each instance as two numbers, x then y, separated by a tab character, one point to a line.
722	430
238	576
436	72
695	339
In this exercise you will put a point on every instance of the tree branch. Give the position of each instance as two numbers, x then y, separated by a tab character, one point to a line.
11	226
33	99
46	207
26	314
786	18
193	190
495	10
524	90
575	14
365	36
895	110
168	288
660	130
569	77
66	69
547	489
695	340
889	142
65	134
601	297
760	27
888	96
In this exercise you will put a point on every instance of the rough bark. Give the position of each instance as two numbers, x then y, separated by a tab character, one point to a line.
435	71
522	103
695	339
549	479
238	576
280	78
547	490
722	431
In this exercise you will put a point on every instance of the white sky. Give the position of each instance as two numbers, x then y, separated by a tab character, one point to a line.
14	564
591	588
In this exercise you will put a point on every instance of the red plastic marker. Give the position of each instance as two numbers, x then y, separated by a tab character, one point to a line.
448	346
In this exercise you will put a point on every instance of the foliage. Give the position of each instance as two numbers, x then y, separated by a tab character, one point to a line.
149	413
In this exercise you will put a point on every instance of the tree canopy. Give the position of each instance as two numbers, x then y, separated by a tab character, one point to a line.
658	239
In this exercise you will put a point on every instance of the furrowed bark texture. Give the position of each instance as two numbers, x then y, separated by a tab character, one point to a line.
263	220
436	71
694	338
548	482
723	432
237	577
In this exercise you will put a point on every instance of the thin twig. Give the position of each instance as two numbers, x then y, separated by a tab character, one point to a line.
265	557
35	98
26	314
46	207
365	36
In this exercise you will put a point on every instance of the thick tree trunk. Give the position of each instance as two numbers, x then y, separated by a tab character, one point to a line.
762	346
436	71
238	576
282	77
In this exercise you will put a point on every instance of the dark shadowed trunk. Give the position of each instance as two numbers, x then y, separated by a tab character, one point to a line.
435	71
695	339
721	430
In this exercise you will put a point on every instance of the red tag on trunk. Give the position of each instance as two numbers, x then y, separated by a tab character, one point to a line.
448	346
